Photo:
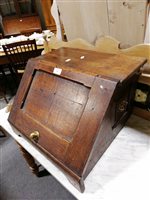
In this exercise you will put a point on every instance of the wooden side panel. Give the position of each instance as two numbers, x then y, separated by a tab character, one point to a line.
141	113
49	20
84	19
127	20
91	122
117	114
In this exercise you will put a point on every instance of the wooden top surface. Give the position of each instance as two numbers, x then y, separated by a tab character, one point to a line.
116	66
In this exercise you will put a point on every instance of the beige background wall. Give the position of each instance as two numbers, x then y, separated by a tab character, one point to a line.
90	19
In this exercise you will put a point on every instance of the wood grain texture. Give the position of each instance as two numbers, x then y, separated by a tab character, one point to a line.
111	45
79	111
145	114
48	18
15	25
30	160
108	45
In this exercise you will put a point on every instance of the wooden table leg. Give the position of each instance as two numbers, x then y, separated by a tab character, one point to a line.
2	130
30	160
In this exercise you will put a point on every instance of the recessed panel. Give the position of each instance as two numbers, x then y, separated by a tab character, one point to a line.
56	102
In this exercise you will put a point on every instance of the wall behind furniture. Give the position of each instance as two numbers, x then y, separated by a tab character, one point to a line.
121	19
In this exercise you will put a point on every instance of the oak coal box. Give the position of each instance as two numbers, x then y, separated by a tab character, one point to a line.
71	103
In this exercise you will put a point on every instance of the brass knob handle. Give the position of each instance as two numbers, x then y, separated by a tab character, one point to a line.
123	106
35	136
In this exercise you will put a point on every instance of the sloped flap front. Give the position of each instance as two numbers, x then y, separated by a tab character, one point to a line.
51	105
56	103
65	111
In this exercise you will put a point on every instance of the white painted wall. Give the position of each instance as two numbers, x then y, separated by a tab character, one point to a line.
90	19
147	33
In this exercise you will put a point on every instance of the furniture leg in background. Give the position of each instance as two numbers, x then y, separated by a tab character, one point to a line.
30	160
3	133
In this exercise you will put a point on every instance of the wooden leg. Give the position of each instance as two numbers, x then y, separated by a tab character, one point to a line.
5	99
30	160
3	131
4	96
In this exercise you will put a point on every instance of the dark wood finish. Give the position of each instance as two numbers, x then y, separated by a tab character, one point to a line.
18	53
4	61
14	26
3	80
30	160
3	131
48	18
19	5
30	31
3	94
142	113
78	111
1	35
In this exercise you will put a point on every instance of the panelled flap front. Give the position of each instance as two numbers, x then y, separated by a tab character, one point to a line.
64	112
51	105
56	103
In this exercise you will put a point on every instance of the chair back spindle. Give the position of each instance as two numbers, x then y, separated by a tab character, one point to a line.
18	53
